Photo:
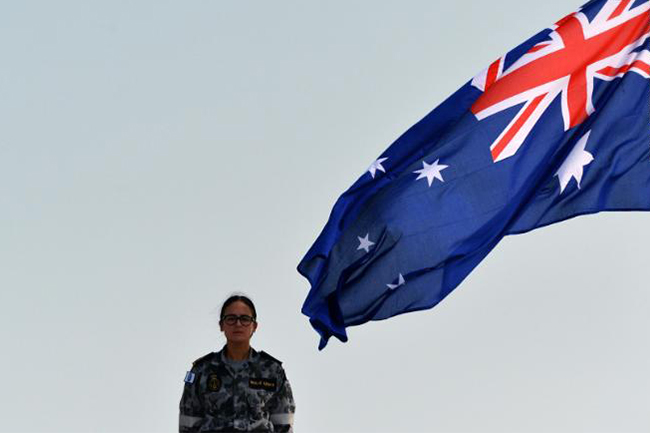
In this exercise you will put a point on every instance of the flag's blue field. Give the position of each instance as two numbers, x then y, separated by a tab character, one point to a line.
556	128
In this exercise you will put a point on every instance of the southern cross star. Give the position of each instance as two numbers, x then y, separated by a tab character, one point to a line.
377	166
431	171
400	282
365	243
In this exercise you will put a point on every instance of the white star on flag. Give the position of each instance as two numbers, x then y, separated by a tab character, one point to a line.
573	165
431	171
377	166
400	282
365	243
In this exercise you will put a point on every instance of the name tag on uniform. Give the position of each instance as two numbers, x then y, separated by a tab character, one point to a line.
265	384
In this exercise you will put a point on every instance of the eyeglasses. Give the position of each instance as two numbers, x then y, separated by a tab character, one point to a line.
232	319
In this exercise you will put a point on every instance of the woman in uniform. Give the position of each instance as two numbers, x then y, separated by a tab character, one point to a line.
237	388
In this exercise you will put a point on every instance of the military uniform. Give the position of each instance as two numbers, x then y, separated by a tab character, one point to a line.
222	395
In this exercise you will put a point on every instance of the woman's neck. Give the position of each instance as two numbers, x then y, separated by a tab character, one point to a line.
237	351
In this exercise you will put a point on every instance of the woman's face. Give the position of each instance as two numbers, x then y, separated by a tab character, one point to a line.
238	333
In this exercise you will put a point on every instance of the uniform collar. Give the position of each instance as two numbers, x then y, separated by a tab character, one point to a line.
252	357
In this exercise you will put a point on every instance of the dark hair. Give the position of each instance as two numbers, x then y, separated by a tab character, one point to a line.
235	298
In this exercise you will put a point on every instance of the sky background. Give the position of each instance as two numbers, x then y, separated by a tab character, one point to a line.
157	156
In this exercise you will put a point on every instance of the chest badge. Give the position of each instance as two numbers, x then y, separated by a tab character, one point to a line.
214	383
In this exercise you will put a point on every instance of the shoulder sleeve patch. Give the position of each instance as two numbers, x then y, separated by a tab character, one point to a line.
189	377
267	356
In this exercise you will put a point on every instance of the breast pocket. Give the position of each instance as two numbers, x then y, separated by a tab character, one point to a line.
217	395
260	391
257	404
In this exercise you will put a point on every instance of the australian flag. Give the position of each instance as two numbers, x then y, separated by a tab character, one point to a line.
556	128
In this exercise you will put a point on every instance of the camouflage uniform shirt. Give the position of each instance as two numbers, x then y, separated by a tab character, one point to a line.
225	396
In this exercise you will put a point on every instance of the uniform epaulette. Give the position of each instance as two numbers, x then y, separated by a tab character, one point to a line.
267	356
203	358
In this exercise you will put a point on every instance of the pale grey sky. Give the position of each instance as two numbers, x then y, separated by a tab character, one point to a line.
157	156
